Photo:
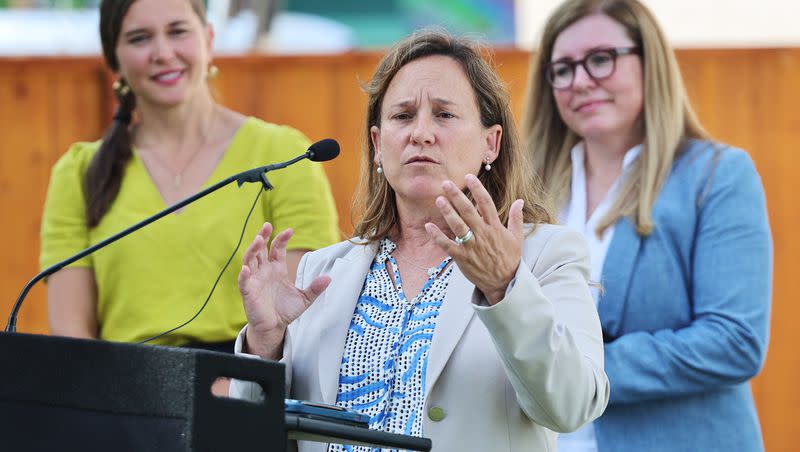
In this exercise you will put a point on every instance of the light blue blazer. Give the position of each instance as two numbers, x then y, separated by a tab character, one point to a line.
685	311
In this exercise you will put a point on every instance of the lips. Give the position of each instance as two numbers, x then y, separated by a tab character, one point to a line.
590	105
168	77
420	159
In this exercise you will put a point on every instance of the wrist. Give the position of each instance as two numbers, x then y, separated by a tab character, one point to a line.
497	293
266	344
494	297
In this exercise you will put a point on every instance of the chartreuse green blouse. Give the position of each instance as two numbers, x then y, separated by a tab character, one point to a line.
159	276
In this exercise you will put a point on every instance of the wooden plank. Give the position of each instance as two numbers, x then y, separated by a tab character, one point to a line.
24	115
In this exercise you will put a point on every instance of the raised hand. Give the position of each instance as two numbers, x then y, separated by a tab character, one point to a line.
271	300
491	256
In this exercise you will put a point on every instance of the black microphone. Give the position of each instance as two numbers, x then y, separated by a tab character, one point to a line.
320	151
323	150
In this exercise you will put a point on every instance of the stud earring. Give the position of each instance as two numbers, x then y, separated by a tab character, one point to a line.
213	72
121	88
380	169
487	167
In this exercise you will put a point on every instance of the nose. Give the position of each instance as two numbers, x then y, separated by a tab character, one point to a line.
162	50
423	132
582	79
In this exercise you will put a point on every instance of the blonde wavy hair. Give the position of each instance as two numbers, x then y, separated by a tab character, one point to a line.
667	120
511	176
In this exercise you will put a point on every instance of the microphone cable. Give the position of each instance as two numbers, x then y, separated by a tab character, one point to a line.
214	287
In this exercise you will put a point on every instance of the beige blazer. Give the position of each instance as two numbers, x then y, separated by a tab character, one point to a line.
505	377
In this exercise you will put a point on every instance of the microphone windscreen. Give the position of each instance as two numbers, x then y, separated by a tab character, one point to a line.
323	150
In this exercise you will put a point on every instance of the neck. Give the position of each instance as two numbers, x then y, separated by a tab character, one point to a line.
604	156
411	237
173	129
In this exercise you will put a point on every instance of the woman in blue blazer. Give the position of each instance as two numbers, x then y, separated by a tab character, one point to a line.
677	227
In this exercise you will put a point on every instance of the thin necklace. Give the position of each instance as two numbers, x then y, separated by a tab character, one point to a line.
412	263
178	176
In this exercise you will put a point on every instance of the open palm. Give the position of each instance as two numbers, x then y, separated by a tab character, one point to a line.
271	300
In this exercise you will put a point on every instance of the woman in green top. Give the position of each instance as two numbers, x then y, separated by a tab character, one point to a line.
180	141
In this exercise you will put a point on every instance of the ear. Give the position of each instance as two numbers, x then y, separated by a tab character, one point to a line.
492	136
210	40
375	137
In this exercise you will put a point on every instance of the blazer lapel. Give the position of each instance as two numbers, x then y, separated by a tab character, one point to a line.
454	317
617	274
347	280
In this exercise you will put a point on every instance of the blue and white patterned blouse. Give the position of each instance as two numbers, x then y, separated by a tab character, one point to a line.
386	351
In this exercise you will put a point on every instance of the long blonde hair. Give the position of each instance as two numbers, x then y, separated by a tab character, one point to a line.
667	121
511	176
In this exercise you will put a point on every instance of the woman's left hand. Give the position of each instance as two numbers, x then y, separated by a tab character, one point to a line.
491	257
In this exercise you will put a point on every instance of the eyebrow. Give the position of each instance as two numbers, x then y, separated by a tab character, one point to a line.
588	51
435	100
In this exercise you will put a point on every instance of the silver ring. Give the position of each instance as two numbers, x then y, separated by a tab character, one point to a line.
465	238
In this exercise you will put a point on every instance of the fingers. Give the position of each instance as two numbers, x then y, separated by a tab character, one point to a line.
265	233
317	286
459	212
515	219
483	200
277	251
254	256
441	240
256	253
244	275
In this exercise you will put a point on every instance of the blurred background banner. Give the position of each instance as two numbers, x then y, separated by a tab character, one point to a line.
380	23
69	27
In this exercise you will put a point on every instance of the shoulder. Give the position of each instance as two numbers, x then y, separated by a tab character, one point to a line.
281	142
710	167
321	260
337	250
704	158
550	246
77	157
546	235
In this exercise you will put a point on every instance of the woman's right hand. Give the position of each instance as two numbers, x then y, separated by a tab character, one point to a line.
271	300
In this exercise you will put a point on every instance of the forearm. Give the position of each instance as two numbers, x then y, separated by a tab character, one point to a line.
708	354
554	364
72	305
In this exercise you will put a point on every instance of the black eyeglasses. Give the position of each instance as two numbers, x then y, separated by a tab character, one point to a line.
599	64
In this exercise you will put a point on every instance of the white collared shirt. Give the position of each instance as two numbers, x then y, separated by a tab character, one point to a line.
573	215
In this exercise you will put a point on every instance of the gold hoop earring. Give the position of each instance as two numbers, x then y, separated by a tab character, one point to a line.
213	71
121	88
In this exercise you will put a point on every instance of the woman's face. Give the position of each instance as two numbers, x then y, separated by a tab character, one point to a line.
163	51
600	109
430	129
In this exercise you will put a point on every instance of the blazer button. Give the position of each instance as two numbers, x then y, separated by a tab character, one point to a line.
436	413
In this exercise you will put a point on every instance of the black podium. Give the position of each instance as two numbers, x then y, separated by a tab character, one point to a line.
72	394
